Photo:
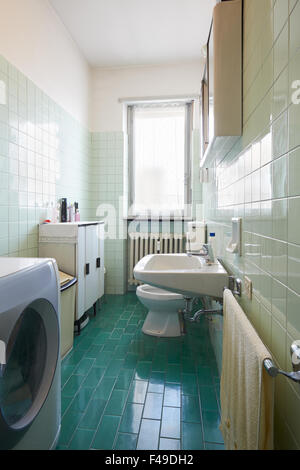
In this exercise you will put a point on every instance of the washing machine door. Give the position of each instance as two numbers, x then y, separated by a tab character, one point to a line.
32	352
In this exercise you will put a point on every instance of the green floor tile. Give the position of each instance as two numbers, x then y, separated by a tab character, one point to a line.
143	370
173	373
172	395
159	363
85	343
211	423
94	351
169	444
104	388
192	438
81	439
149	435
189	384
174	357
69	423
117	333
110	345
137	392
81	400
170	425
131	360
93	414
72	385
131	329
93	377
191	409
66	372
103	359
122	389
208	399
205	375
126	442
153	406
131	419
124	379
114	368
157	382
100	339
106	433
122	324
116	402
126	338
74	358
65	403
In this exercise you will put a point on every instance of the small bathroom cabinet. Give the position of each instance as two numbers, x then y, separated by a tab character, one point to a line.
78	249
222	118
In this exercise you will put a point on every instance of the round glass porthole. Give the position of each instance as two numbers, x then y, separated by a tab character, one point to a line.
31	358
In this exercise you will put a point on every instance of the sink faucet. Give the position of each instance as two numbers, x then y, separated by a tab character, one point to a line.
207	253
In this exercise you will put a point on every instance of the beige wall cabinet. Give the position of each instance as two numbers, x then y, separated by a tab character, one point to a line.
224	74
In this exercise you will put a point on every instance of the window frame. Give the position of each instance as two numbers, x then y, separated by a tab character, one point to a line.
189	114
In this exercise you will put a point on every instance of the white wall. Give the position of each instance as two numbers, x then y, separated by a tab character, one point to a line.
33	38
111	84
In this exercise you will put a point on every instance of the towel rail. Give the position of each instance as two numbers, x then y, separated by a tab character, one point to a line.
273	371
235	285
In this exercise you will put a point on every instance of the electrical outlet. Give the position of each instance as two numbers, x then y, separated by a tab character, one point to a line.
248	287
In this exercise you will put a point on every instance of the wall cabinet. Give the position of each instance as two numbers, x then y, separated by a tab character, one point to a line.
78	249
222	83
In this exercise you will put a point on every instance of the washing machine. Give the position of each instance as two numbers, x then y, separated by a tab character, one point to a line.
30	395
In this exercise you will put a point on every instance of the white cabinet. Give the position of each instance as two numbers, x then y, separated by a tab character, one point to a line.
78	249
222	116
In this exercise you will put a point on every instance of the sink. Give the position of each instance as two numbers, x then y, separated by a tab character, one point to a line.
187	275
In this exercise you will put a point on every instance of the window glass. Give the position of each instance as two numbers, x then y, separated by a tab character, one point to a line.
160	159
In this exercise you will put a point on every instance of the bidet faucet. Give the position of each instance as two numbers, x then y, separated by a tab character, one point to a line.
207	253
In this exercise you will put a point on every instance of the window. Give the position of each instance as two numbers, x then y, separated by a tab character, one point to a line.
159	158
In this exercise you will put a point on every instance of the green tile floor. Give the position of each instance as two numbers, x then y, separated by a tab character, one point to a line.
125	390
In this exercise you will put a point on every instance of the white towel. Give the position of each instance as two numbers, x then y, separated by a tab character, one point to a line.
247	391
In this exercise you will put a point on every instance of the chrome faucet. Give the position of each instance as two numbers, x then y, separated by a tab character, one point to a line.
207	253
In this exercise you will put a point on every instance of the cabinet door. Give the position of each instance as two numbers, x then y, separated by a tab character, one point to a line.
91	271
80	300
100	260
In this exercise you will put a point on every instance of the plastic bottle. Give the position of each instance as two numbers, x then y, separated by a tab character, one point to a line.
72	213
212	243
77	213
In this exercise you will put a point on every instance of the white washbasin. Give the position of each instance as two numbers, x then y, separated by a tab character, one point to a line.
187	275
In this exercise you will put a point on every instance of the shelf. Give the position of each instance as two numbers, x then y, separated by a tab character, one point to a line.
217	150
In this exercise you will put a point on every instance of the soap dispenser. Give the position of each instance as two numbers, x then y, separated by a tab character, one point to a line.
235	245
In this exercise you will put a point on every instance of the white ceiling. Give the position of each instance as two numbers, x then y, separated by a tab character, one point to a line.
137	32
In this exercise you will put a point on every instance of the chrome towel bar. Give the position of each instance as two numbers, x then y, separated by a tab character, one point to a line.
273	371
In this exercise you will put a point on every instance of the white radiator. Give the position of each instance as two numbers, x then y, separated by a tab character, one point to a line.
143	244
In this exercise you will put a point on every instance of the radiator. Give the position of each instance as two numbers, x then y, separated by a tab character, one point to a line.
143	244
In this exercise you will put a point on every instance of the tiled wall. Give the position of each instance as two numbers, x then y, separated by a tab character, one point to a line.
260	181
107	166
44	155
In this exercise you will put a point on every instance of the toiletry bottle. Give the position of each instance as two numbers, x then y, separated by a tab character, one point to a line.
72	213
212	242
64	210
77	213
69	213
